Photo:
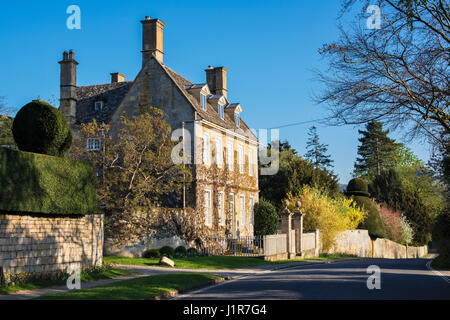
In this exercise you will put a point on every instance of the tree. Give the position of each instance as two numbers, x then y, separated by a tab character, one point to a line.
266	218
398	75
6	136
413	194
316	152
377	152
136	172
294	173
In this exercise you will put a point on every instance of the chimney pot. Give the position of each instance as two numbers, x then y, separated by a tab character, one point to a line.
117	77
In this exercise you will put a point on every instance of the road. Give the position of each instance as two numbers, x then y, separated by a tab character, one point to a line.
408	279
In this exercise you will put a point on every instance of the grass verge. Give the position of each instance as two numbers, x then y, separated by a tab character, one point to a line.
110	273
441	263
138	289
214	262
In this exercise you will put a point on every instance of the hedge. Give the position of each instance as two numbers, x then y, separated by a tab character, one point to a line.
37	183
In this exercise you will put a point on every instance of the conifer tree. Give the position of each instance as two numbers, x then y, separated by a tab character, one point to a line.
377	152
317	152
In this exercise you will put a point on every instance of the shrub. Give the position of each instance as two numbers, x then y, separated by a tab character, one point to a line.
180	251
329	215
192	252
266	218
38	183
396	225
441	236
41	128
151	253
167	251
373	222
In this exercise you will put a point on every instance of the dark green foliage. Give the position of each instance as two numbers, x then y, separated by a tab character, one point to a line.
39	183
180	251
167	251
266	218
316	151
294	173
6	136
357	187
41	128
151	253
373	222
402	195
192	252
377	151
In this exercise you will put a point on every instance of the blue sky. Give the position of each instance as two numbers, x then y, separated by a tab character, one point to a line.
269	48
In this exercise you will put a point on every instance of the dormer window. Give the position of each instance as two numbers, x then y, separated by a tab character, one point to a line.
220	108
237	119
203	101
98	106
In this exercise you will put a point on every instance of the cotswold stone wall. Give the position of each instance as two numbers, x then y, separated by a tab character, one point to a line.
37	243
358	243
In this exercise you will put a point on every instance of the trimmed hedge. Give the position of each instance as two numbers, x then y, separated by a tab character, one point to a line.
181	250
41	128
36	183
167	250
192	252
151	253
358	187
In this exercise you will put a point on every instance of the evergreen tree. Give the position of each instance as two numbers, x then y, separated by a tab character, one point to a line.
377	151
316	152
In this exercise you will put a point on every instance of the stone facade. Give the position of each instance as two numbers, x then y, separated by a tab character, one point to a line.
36	243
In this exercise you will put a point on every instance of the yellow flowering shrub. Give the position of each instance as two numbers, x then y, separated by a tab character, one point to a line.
329	215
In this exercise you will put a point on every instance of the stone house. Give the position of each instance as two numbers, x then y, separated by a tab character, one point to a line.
217	142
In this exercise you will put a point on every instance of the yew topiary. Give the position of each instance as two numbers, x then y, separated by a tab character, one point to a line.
358	189
41	128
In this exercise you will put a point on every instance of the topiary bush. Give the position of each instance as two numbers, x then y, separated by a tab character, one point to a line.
192	252
266	218
358	189
41	128
151	253
167	251
180	251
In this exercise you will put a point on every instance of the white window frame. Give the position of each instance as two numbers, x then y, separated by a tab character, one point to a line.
231	203
252	214
203	101
241	159
237	119
221	208
206	149
221	110
208	208
242	210
100	104
250	162
219	151
230	155
93	144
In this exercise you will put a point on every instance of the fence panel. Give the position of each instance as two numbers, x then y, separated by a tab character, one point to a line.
240	246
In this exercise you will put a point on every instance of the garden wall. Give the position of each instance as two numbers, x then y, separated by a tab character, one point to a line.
41	243
359	243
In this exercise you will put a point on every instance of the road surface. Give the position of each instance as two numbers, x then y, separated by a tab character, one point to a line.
406	279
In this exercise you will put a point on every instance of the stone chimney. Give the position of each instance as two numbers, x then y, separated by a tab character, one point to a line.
68	84
152	39
216	78
117	77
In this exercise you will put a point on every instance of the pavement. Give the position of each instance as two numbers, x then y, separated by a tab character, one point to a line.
406	279
145	271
